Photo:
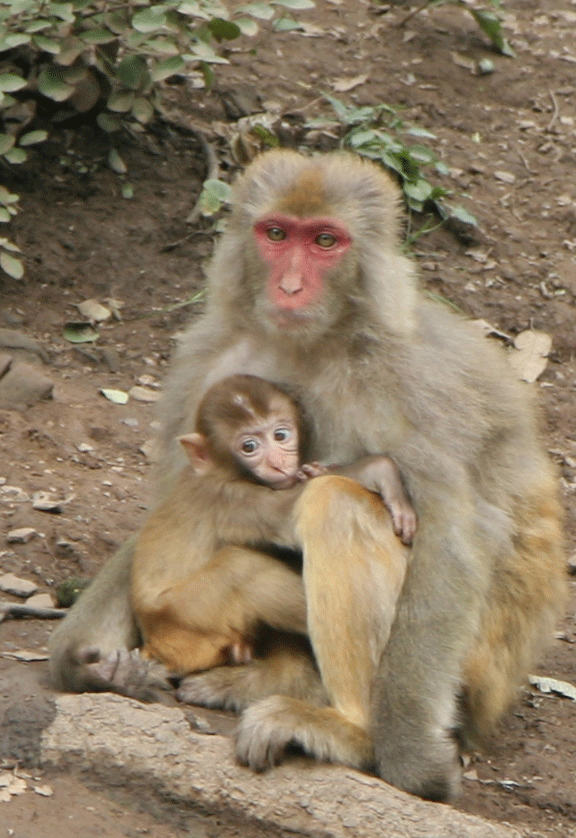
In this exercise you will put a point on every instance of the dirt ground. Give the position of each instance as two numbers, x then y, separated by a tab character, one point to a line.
509	139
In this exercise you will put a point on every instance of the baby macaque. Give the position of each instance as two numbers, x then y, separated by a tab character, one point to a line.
246	471
260	431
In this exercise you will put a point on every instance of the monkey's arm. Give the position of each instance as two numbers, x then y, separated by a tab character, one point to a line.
210	617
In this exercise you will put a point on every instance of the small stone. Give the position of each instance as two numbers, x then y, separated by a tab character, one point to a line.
12	584
151	450
40	601
22	535
143	394
46	502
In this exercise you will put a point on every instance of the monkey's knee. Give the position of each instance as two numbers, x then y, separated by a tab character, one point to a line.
336	502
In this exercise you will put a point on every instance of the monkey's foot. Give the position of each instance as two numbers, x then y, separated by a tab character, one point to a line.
267	728
226	687
428	767
126	672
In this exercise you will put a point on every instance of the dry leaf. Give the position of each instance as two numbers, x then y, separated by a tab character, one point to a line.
26	655
44	791
93	311
463	61
344	85
552	685
115	396
505	177
529	359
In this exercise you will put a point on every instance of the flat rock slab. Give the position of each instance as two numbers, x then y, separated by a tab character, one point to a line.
111	736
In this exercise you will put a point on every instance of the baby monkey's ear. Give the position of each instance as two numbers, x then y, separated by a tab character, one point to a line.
198	452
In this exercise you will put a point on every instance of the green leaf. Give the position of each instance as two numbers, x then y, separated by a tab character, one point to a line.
52	84
286	24
169	67
132	71
127	191
116	163
359	138
223	29
108	123
214	194
14	40
490	24
9	245
189	7
121	102
7	197
143	109
46	44
63	11
262	11
16	156
10	82
209	75
6	142
70	49
414	131
463	215
4	215
149	20
247	26
12	266
266	135
79	333
37	26
97	36
33	137
204	52
294	4
422	154
419	191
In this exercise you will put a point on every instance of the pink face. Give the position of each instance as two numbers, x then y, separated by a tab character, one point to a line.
299	252
269	449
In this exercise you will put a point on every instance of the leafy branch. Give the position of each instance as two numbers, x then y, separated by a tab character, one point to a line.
108	58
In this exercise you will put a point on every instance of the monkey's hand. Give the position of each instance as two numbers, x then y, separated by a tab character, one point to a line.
404	519
309	470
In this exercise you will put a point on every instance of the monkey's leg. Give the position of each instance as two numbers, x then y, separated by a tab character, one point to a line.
354	569
196	624
99	625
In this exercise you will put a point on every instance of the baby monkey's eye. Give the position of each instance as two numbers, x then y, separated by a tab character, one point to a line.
276	234
325	240
282	434
249	446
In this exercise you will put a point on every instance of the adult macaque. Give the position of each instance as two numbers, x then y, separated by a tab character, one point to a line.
309	289
198	600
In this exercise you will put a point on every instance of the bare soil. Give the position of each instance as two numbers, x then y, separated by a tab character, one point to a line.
509	139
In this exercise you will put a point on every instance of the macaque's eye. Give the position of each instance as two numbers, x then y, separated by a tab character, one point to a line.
282	434
276	234
249	446
325	240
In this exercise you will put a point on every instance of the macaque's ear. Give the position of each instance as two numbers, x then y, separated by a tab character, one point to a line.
198	452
